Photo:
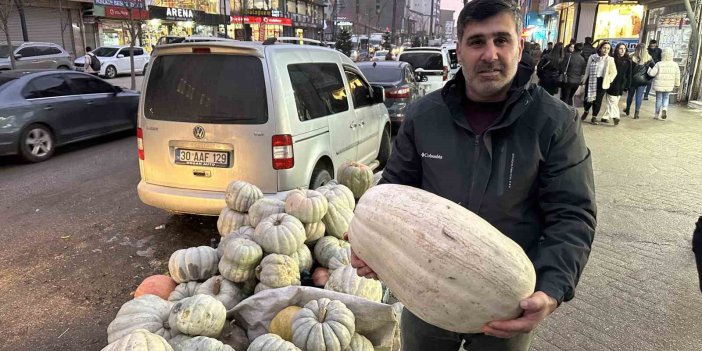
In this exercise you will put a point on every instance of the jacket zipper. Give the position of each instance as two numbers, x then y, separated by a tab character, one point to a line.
476	154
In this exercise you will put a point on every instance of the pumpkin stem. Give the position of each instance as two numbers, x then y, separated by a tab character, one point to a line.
322	313
217	286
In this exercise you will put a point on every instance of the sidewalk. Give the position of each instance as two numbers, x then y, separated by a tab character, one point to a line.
639	291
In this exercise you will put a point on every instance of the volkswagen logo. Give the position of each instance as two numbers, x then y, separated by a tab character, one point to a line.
199	132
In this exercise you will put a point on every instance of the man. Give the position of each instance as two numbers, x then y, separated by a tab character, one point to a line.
656	55
549	47
512	154
87	61
588	48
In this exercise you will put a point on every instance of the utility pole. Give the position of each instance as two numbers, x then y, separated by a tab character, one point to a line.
23	21
431	21
394	13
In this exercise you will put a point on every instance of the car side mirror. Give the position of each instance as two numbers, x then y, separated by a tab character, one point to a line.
18	56
120	56
378	94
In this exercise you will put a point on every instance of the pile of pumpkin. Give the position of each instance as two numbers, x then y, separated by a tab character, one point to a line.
265	244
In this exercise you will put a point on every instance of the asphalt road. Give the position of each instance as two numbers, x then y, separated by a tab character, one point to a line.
76	241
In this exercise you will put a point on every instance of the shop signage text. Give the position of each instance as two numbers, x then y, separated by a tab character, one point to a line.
122	13
133	4
179	14
258	20
259	12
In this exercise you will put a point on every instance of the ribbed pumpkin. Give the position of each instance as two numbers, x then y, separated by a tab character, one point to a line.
184	290
240	195
314	231
139	340
198	343
309	206
159	285
271	342
277	271
226	292
337	220
230	220
195	263
264	208
281	324
339	195
148	312
245	232
280	234
345	280
359	343
239	260
304	259
449	267
200	315
320	277
323	325
332	253
356	176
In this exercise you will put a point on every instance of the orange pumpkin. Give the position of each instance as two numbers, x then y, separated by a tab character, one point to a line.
159	285
320	276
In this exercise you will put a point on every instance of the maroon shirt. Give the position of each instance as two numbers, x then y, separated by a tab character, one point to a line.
481	115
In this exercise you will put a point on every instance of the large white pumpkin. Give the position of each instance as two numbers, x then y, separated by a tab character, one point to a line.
264	208
337	220
339	195
230	220
194	263
356	176
139	340
280	233
323	325
448	266
308	206
148	312
240	195
240	257
199	315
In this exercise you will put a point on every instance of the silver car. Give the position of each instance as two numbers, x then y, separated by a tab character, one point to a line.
32	55
278	116
40	110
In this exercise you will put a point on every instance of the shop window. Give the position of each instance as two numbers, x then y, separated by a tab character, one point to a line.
319	90
47	86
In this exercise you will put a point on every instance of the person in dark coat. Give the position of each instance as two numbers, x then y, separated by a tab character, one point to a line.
657	55
548	69
527	65
697	248
573	65
549	47
588	48
619	85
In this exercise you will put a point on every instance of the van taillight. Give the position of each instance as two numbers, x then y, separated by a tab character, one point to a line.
140	143
283	155
446	71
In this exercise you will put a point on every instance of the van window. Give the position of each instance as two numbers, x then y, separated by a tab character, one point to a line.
360	91
425	60
319	90
207	88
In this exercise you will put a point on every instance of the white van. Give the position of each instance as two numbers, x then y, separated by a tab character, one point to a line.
278	116
431	62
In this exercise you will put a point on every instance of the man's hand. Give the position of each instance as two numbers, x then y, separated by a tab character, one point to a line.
536	308
362	268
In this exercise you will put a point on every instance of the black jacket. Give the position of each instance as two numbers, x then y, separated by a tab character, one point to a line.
622	81
588	50
529	174
576	65
656	54
697	248
548	71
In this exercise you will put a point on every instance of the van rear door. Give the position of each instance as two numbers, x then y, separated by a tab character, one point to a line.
205	120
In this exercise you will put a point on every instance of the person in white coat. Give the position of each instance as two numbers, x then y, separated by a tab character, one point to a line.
666	78
599	74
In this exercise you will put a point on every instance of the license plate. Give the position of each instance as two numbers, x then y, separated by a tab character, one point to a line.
202	158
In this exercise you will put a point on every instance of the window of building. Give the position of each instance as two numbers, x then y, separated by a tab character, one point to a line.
319	90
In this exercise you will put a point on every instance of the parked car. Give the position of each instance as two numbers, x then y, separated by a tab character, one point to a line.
379	56
114	60
432	62
32	55
44	109
296	40
453	59
277	116
400	84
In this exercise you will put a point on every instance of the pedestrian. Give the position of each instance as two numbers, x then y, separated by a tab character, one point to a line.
548	69
619	85
656	55
697	248
536	52
573	67
588	48
530	172
666	78
641	61
526	64
389	56
549	47
600	71
88	60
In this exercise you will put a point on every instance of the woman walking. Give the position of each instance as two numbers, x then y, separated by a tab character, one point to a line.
599	74
573	67
641	62
666	78
619	85
548	69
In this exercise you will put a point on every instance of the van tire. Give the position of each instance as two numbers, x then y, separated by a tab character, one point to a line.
320	176
385	149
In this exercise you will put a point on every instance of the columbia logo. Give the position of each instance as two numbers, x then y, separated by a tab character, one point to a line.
438	157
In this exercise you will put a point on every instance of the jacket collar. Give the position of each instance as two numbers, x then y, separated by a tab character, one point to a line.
520	93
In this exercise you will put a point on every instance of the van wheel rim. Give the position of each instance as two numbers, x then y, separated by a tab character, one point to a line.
38	142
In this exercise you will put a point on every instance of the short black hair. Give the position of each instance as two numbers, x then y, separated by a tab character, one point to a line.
88	48
588	40
480	10
578	46
653	41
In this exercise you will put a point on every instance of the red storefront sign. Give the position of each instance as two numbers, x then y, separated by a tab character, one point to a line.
121	13
262	20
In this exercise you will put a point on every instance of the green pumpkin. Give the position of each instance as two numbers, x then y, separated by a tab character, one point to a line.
195	263
148	312
323	325
199	315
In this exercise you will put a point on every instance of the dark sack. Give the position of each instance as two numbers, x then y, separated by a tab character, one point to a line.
94	63
640	76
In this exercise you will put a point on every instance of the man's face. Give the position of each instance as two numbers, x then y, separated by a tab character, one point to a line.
489	53
653	45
